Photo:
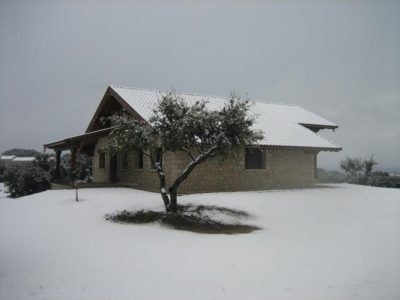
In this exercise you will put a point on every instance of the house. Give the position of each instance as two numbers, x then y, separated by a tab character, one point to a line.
285	158
12	160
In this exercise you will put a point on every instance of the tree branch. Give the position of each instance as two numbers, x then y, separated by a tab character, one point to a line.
187	150
184	175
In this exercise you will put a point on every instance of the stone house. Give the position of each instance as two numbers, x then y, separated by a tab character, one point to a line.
285	158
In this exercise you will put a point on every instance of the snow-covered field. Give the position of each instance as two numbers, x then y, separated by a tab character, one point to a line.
341	242
3	191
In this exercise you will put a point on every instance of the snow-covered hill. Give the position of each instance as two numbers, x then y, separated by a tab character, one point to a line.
336	242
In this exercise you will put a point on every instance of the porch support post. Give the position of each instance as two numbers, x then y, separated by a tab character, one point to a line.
58	161
73	161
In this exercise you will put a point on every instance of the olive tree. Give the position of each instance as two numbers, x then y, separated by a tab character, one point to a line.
358	170
196	130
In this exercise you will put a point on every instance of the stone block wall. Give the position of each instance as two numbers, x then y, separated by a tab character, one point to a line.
144	179
284	169
101	175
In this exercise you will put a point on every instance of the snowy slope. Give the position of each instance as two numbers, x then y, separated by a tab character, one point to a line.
341	242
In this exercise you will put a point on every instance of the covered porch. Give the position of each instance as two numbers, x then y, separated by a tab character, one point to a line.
84	144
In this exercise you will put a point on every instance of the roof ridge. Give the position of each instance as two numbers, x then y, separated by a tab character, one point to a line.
196	94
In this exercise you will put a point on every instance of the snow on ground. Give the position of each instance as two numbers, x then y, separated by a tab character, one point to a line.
340	242
3	191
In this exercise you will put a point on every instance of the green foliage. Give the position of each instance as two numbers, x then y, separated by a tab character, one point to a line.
357	170
44	161
183	127
383	179
21	152
26	179
2	169
176	126
83	169
196	130
360	171
129	134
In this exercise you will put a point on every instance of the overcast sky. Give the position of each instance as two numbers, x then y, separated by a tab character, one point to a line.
340	60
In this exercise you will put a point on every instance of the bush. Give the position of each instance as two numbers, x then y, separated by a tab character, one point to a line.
21	152
83	169
358	170
383	179
22	180
2	169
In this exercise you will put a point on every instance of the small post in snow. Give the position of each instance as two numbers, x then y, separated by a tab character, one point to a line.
76	182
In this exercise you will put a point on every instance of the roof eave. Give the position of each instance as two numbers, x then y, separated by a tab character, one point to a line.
75	141
319	126
292	147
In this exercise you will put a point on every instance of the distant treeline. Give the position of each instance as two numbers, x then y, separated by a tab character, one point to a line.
22	152
327	176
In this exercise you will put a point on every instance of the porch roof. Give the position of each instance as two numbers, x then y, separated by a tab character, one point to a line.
78	141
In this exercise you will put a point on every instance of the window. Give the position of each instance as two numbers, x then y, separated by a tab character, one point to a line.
255	158
139	162
125	161
102	160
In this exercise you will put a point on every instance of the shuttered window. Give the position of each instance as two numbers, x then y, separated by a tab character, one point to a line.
102	160
255	158
140	160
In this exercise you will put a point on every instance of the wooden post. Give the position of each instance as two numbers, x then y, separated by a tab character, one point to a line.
58	162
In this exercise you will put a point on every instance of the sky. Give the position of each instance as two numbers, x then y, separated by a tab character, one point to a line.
338	59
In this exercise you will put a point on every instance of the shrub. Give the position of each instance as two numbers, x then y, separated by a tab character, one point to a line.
83	169
383	179
22	180
21	152
2	169
358	170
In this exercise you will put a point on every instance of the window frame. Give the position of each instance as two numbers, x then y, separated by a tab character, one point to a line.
125	161
102	160
263	159
138	164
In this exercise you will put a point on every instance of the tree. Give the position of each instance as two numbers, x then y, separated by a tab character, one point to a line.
22	180
358	170
199	132
83	168
21	152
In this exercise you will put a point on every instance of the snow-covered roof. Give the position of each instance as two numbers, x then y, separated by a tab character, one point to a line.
24	159
7	157
281	123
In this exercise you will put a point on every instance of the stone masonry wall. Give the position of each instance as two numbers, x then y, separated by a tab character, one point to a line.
144	179
101	175
284	169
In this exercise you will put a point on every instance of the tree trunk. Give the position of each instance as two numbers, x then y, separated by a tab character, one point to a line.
163	192
173	205
173	189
